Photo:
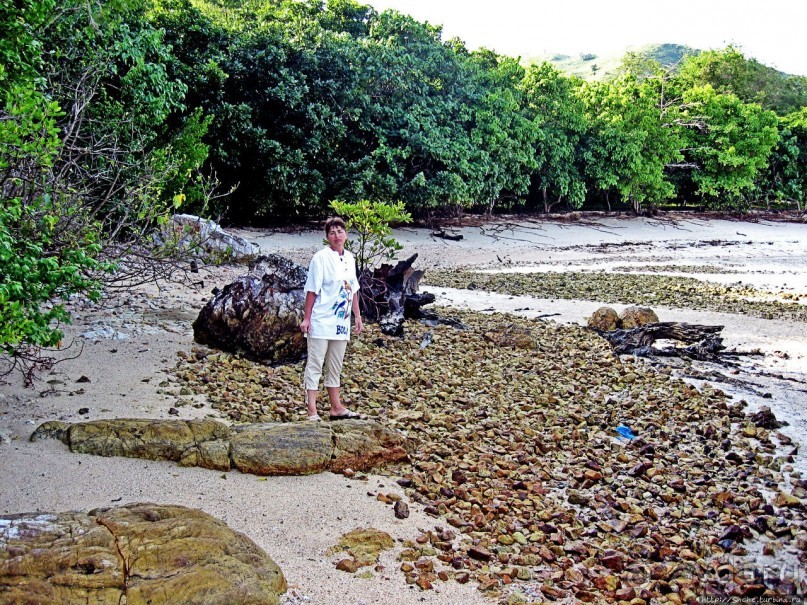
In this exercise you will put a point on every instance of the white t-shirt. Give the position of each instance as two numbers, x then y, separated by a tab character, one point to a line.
333	279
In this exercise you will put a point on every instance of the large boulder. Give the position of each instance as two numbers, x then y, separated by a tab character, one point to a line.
201	442
364	444
293	448
258	314
136	554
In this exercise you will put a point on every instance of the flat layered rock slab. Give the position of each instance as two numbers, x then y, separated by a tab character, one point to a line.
294	448
363	444
282	449
136	554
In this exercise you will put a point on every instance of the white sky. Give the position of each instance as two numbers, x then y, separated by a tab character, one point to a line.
774	32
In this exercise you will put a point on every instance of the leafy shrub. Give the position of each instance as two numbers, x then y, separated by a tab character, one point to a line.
371	221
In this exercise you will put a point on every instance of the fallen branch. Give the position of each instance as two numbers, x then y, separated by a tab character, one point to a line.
704	344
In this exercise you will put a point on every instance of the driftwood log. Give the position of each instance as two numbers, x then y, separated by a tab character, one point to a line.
454	237
390	295
703	341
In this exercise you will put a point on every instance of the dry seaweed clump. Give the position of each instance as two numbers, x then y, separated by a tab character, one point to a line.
535	493
618	288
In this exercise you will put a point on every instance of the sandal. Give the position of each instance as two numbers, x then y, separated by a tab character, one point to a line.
347	415
314	418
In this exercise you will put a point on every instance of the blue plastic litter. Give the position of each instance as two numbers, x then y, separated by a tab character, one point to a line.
625	432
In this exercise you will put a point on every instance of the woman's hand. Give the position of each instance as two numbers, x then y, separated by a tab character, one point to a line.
305	326
359	325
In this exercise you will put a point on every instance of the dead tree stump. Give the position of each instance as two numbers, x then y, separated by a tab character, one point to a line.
390	294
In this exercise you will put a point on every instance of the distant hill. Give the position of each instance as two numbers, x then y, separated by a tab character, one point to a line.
589	66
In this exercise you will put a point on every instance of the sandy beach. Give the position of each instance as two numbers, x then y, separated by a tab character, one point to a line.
129	345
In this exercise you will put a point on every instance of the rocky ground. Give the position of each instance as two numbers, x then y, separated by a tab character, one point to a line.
521	489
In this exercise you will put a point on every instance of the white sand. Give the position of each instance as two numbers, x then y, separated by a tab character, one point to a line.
296	519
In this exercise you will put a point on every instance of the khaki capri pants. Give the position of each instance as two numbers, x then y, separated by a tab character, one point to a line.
328	354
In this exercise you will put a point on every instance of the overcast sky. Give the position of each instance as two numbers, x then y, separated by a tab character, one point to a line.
774	32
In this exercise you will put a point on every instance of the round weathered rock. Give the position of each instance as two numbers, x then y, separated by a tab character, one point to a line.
635	316
605	319
258	314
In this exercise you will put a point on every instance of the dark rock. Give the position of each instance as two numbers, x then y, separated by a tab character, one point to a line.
760	524
726	545
479	553
135	554
765	419
401	509
258	314
734	457
734	533
613	560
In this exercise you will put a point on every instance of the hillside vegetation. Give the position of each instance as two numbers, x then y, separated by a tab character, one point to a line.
590	66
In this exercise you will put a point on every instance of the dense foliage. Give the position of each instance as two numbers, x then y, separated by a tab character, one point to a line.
315	101
89	160
116	112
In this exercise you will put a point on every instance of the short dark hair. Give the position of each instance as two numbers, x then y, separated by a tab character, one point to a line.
334	221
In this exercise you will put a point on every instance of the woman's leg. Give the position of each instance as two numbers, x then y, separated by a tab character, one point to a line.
334	358
317	349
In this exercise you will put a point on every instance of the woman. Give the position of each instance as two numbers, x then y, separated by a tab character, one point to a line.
331	297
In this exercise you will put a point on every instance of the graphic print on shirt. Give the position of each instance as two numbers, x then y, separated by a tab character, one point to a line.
341	307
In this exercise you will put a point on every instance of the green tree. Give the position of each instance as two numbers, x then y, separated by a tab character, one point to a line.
88	167
43	258
420	114
46	248
107	66
729	71
786	177
730	142
502	134
558	115
629	146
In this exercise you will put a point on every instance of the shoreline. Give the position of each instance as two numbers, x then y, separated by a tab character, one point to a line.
296	519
